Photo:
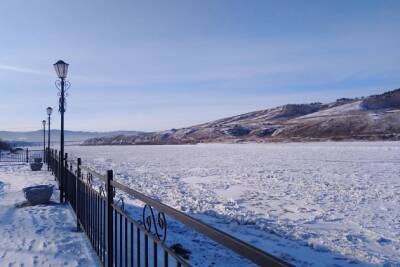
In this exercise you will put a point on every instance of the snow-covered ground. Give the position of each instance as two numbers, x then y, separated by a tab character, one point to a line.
318	204
43	235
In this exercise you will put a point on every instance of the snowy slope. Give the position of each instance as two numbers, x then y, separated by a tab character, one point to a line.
348	121
370	118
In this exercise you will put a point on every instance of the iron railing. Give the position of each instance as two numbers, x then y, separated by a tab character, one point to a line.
119	239
27	155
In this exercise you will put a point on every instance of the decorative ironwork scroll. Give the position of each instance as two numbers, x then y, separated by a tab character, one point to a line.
155	224
67	85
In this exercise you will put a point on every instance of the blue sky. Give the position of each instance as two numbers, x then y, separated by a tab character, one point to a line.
155	65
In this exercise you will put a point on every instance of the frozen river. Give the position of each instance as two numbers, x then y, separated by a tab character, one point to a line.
311	203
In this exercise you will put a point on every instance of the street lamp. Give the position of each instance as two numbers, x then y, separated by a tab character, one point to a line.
44	139
49	111
61	69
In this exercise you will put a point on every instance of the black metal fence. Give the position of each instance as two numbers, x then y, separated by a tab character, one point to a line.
26	155
119	239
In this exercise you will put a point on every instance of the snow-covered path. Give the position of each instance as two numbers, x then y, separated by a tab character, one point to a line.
43	235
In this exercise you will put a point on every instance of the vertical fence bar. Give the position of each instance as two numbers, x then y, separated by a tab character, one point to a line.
65	176
60	182
93	217
126	242
115	238
27	155
96	240
120	238
86	210
56	161
132	241
93	212
90	214
58	167
59	173
52	161
109	219
78	176
84	207
71	182
165	258
138	245
97	224
101	230
155	255
146	250
104	229
47	159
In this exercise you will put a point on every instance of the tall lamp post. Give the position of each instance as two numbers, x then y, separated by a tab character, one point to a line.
61	69
44	139
49	111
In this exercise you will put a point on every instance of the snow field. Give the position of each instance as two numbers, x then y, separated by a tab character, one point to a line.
313	204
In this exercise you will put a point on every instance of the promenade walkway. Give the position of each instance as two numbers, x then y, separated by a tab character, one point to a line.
43	235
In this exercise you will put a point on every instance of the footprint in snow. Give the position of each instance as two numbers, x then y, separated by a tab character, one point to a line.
355	238
383	241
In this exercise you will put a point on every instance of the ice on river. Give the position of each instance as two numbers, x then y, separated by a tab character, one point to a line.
333	203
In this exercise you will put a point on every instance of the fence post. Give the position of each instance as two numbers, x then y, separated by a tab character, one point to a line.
65	176
60	181
27	155
48	158
110	196
56	166
77	193
53	163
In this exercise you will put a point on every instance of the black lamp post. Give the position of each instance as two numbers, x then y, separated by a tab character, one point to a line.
44	139
49	111
61	69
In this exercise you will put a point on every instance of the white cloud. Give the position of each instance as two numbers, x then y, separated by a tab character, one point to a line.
24	70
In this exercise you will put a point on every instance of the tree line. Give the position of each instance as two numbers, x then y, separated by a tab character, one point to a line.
4	145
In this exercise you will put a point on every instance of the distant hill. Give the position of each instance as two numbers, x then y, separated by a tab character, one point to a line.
375	117
73	136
